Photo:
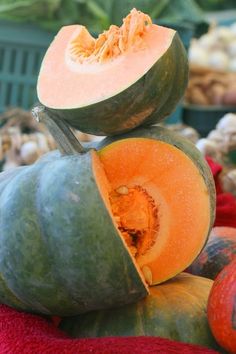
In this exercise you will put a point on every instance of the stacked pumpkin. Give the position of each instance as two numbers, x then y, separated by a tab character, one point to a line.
107	229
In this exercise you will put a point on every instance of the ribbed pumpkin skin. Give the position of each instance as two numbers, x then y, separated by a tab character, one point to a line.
158	92
59	251
219	251
221	310
170	137
175	310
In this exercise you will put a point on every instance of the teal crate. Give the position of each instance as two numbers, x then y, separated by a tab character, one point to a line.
204	118
22	47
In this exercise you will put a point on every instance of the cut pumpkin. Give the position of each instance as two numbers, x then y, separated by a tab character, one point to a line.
111	84
91	230
160	204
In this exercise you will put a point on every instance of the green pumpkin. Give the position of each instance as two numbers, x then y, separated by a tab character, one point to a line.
61	250
175	310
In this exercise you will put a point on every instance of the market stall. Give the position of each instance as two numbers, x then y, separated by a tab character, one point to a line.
118	177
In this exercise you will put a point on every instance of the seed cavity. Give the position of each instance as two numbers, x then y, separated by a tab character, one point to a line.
111	43
136	215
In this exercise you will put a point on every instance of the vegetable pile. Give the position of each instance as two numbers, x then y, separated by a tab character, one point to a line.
212	60
215	49
105	232
208	87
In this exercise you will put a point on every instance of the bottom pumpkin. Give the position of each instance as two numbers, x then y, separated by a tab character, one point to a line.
175	309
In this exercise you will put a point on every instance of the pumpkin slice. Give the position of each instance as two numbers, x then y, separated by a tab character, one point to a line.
111	84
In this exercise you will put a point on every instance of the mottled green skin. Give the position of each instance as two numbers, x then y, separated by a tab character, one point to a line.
172	138
174	310
219	251
159	91
59	250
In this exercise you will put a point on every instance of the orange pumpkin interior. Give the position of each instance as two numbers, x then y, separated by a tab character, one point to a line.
85	65
159	203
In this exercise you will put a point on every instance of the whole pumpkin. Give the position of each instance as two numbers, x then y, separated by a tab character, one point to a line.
175	309
79	234
219	251
221	309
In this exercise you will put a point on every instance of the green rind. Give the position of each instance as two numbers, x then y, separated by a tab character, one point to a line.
176	90
172	138
159	91
174	310
59	250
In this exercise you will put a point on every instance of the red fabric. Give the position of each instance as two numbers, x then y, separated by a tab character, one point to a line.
23	333
225	202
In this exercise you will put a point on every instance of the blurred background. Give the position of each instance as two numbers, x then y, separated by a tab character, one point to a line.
206	27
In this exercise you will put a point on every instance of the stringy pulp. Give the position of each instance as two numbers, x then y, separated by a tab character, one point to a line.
113	42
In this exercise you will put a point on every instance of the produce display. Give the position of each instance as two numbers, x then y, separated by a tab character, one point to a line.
210	87
212	58
23	140
219	251
220	144
220	141
215	49
103	207
174	310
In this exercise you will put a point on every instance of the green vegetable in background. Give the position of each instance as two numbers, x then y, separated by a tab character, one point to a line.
97	15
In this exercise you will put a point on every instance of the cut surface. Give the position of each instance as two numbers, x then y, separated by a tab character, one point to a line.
83	66
159	202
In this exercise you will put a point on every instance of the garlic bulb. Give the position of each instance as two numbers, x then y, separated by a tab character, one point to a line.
29	152
218	59
215	49
198	56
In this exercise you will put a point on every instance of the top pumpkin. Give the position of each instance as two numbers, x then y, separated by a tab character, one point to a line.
129	76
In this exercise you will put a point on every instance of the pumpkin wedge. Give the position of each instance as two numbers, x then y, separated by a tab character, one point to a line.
113	83
174	310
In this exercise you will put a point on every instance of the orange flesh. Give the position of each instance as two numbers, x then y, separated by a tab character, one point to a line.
156	193
77	64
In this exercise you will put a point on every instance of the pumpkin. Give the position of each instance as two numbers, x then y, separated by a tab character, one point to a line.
219	251
175	309
124	78
221	310
79	234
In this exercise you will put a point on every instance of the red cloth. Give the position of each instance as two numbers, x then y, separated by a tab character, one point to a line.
225	202
23	333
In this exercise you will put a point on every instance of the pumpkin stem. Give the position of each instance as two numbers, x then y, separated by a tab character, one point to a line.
67	142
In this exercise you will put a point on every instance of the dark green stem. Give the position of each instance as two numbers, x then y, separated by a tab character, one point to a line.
67	142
